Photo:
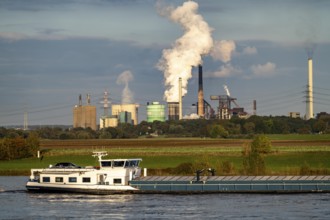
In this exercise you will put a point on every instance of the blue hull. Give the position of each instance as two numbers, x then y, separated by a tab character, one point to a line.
233	184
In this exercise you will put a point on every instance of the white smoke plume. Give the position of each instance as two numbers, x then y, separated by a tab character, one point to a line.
187	51
225	87
123	79
223	50
191	116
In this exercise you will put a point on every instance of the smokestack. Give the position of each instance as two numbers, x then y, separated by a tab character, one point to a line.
254	107
200	110
88	99
80	100
180	98
309	97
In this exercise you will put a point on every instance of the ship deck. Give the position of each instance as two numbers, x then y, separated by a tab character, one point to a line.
232	184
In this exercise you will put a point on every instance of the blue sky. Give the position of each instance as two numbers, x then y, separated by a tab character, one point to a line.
52	51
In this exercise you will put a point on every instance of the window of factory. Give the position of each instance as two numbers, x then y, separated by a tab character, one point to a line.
72	179
59	179
46	179
86	179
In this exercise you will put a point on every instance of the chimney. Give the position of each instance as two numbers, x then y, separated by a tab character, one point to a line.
80	100
180	98
254	107
309	96
200	109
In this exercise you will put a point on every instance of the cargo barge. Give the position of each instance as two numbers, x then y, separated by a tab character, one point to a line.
114	176
232	184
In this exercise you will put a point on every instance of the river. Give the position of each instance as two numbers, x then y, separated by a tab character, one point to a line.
16	203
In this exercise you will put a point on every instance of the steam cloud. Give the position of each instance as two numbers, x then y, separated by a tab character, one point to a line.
187	51
223	50
123	79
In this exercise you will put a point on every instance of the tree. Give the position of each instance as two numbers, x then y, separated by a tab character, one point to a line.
261	144
249	127
218	131
18	147
253	162
32	144
319	126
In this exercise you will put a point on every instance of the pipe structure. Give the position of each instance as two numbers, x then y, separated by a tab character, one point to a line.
309	96
180	98
200	109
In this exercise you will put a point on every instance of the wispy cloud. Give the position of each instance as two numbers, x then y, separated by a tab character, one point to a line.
250	51
263	70
226	70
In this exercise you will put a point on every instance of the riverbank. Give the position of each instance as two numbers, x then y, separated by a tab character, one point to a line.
168	156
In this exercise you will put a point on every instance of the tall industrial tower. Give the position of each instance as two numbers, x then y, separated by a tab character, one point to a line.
106	103
200	108
180	98
309	91
25	126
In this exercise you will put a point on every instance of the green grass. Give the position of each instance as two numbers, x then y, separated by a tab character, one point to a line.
303	137
160	155
278	163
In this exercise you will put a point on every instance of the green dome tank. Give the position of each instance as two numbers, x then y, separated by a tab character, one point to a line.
155	112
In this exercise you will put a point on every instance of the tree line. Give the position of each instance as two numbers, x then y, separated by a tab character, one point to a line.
19	146
233	128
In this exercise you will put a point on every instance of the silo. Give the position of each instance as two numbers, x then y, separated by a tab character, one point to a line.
155	112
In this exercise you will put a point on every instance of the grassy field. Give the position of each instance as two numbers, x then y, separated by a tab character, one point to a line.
287	158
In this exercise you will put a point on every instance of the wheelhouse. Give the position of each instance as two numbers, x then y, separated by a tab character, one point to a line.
120	163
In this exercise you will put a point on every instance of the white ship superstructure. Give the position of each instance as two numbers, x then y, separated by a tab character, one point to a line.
111	175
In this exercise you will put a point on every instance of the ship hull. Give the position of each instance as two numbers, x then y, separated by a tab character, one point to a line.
188	185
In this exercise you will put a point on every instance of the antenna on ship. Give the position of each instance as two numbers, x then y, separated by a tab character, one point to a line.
99	154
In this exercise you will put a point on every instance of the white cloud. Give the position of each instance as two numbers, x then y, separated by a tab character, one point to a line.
265	70
249	50
12	36
227	70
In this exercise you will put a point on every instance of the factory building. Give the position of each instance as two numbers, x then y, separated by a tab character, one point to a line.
84	116
155	112
294	114
173	111
108	121
125	117
126	113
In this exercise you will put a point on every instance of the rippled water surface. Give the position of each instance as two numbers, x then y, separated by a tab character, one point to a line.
16	203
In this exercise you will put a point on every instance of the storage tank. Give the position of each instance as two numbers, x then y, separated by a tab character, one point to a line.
155	112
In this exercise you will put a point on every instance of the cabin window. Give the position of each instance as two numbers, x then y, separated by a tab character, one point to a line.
46	179
72	179
59	179
132	163
86	179
106	163
118	163
116	181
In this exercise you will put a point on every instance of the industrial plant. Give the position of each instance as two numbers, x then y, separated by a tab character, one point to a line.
84	116
227	106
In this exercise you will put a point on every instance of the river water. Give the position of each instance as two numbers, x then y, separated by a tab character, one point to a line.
16	203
